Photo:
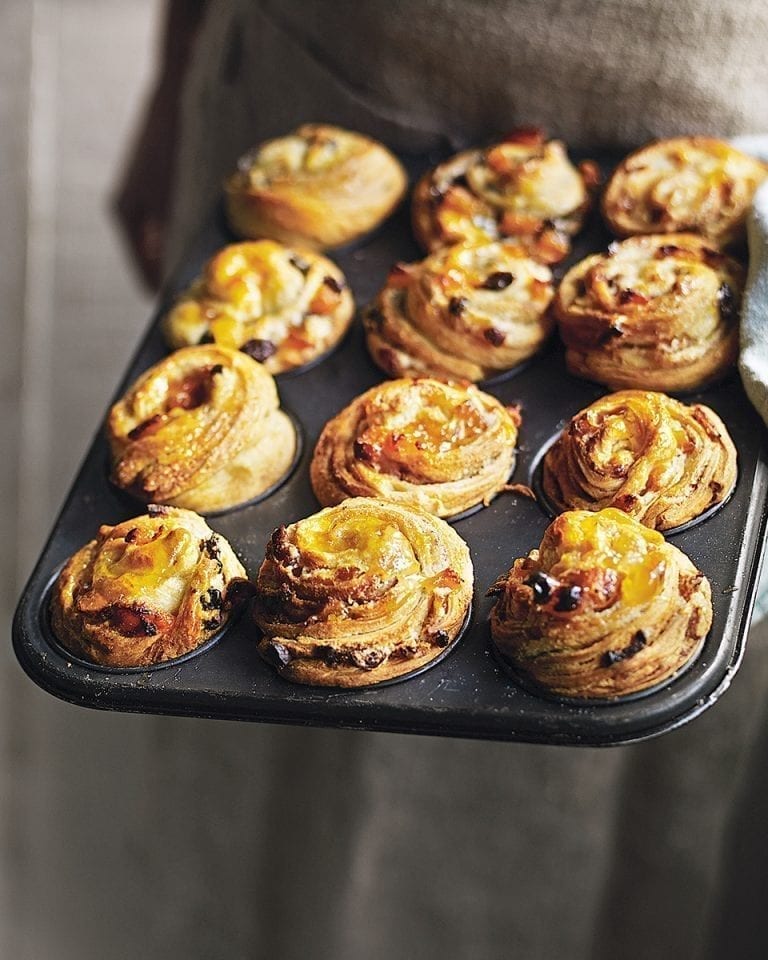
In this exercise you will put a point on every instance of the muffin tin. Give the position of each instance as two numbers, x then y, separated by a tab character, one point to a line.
467	693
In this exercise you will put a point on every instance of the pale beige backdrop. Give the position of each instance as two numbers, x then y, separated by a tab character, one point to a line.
72	74
137	837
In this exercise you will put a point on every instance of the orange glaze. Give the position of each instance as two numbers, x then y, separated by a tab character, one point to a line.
127	568
187	394
436	429
326	300
359	542
610	540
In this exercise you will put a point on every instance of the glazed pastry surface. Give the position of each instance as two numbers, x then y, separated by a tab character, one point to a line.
202	429
658	460
283	307
654	312
604	608
524	188
467	312
695	184
443	447
144	591
360	593
319	186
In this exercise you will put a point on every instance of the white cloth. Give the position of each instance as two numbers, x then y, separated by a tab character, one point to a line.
753	356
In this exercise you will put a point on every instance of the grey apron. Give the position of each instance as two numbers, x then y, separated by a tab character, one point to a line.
372	846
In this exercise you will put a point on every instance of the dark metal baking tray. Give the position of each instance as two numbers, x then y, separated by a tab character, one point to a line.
467	694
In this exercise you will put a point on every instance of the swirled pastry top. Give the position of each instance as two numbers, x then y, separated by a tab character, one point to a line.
655	312
468	312
658	460
147	590
201	429
319	186
524	187
604	608
283	307
361	592
444	447
686	183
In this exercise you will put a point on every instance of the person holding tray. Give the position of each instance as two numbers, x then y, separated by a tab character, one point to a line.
370	845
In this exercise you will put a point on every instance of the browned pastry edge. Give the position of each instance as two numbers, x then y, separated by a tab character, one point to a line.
355	196
660	371
110	626
617	207
201	429
657	478
380	446
545	239
350	626
577	636
323	670
680	338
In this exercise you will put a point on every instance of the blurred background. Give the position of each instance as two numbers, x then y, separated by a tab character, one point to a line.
73	74
129	836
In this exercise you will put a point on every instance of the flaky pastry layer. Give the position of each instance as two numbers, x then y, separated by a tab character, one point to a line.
605	607
442	447
659	460
360	593
147	590
696	184
319	187
202	429
654	312
282	306
469	311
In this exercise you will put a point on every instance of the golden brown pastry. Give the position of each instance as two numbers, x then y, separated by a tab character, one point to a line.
654	312
658	460
604	608
147	590
442	447
360	593
525	188
202	429
281	306
319	186
467	312
686	183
